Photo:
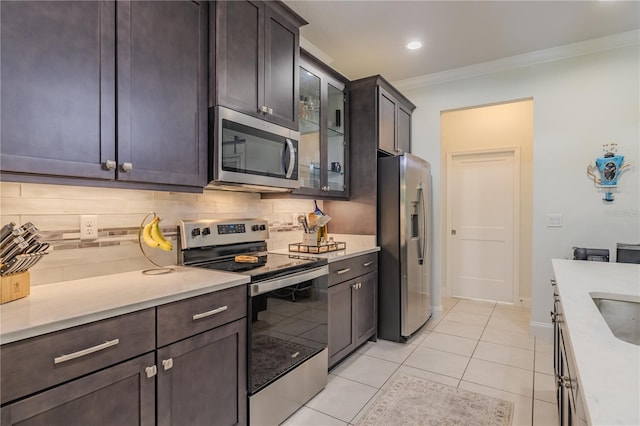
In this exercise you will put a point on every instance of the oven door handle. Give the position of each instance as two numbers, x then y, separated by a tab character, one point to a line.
280	282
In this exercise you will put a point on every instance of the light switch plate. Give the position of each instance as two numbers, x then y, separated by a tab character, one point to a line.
88	227
554	220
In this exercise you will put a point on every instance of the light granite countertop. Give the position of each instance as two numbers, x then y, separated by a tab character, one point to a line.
53	307
608	368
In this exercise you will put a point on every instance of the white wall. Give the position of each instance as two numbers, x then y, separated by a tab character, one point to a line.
580	103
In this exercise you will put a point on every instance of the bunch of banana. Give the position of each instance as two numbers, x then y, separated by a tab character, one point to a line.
152	236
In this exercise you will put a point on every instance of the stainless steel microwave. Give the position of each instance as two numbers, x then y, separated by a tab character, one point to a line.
252	155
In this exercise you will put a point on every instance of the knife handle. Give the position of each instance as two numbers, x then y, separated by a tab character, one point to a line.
14	250
6	230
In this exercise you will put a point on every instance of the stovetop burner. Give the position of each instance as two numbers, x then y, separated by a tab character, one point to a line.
270	265
213	244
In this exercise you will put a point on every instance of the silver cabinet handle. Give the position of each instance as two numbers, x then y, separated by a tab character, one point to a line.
343	271
167	363
97	348
367	264
109	165
127	167
270	111
211	312
151	371
263	109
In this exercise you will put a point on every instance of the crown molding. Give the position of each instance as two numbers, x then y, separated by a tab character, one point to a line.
524	60
315	51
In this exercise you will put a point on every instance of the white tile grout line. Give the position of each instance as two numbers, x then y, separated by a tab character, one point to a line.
474	350
459	379
476	346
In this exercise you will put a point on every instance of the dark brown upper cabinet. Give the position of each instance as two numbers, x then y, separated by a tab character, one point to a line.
58	88
73	107
257	59
394	120
323	149
162	91
384	114
379	125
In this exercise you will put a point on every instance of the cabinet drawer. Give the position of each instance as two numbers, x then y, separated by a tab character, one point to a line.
192	316
118	395
40	362
347	269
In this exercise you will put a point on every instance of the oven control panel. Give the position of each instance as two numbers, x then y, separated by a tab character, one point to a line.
215	232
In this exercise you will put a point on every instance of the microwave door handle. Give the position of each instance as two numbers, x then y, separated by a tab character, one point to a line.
292	158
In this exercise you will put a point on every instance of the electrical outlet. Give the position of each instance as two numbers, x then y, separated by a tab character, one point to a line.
554	220
88	227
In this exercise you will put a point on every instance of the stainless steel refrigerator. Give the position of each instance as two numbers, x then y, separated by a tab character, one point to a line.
404	235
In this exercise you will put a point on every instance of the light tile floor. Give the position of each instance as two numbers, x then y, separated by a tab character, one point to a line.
480	346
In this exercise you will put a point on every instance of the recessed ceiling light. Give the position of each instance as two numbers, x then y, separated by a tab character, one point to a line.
414	45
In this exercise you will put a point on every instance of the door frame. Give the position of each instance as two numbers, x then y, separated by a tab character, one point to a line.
447	263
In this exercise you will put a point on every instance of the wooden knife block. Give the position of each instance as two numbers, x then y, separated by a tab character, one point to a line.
14	286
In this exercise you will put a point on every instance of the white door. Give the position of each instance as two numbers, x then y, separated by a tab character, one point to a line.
482	196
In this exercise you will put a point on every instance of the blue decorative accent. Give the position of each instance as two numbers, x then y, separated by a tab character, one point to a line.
609	168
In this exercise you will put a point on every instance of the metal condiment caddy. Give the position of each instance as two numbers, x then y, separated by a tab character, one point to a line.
317	248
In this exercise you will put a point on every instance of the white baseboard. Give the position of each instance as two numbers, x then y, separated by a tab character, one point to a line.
541	329
436	312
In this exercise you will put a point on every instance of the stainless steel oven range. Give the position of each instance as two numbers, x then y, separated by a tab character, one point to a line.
287	305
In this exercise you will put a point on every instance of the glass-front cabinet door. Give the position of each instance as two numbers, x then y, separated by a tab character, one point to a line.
309	147
323	121
336	142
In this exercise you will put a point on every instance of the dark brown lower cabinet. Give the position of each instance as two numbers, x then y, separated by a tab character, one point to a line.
366	307
571	409
119	395
202	379
341	315
352	315
197	377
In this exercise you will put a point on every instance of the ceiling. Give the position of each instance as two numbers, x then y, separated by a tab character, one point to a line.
363	38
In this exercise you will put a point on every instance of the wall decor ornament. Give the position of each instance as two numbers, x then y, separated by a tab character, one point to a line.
610	166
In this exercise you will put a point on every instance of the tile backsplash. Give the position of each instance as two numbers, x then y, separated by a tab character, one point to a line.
56	210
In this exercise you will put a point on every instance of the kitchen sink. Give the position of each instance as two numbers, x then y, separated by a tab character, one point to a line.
622	317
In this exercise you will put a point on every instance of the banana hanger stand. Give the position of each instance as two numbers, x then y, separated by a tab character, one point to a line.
151	238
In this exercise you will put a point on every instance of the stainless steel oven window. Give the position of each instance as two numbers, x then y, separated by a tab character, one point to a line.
288	326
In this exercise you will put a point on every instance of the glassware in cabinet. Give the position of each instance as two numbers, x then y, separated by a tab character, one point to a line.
323	124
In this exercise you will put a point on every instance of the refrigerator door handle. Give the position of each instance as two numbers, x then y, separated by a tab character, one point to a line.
421	226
